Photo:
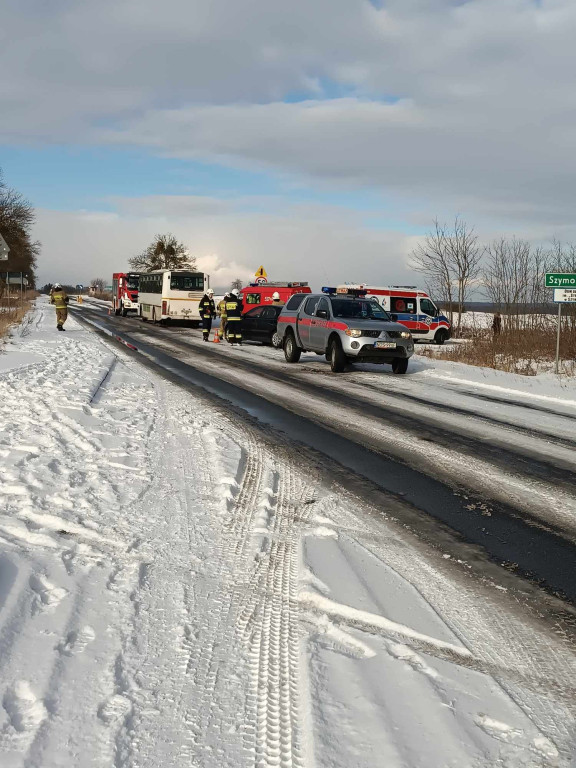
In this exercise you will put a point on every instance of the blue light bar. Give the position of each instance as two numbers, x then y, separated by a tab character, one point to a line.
328	290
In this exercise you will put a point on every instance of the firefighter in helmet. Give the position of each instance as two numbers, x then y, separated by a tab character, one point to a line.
277	300
222	314
60	299
207	310
234	308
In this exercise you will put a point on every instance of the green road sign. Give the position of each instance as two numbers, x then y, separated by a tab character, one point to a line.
560	280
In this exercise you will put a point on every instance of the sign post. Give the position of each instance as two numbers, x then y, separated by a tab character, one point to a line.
565	295
261	276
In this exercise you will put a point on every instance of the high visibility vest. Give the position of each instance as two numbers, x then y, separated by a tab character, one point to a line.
59	299
233	310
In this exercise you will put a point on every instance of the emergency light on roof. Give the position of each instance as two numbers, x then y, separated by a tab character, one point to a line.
343	289
293	284
410	287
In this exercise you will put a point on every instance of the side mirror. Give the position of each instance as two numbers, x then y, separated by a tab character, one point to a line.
322	313
394	318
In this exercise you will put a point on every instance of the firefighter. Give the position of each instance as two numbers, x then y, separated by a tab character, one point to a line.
60	300
234	308
207	310
277	300
222	314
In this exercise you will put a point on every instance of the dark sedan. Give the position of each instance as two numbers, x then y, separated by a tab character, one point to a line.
259	324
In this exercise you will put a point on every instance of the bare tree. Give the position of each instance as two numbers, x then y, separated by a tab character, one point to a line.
16	220
431	258
98	284
450	261
513	280
237	284
164	252
464	256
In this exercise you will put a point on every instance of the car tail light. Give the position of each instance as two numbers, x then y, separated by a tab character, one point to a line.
164	307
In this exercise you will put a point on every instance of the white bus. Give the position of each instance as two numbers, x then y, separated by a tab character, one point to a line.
171	294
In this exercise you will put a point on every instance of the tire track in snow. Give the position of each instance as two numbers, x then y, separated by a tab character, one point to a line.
270	622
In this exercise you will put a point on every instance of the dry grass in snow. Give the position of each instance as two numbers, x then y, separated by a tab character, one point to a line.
12	311
524	351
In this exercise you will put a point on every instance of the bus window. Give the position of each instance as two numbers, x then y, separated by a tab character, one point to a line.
151	284
180	282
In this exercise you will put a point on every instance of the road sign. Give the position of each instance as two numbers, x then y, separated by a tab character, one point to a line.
261	276
79	287
565	295
560	280
4	249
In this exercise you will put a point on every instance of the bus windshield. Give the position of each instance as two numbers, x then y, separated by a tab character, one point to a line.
359	309
186	281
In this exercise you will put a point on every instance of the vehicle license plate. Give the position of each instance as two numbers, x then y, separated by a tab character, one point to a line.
385	345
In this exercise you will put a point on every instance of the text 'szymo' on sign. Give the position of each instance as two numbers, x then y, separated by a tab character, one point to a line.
560	280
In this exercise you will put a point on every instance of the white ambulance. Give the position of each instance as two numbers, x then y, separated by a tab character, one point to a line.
413	308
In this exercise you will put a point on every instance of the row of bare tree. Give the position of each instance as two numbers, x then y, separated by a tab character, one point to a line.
509	272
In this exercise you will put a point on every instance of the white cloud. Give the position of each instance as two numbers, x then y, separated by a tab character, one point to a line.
312	243
484	124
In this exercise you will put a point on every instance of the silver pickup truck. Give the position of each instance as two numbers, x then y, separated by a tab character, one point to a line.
346	328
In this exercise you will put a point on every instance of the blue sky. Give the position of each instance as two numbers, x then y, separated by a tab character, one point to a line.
64	178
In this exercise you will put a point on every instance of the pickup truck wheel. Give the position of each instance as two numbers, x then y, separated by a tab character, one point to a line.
400	365
276	341
292	351
338	359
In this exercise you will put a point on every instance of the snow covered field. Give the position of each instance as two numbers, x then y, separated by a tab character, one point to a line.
174	591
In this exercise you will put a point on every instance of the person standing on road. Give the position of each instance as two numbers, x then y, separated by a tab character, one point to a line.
234	308
207	310
60	300
497	324
222	315
277	300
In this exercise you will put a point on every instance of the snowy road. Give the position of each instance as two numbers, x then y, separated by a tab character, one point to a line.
182	586
496	465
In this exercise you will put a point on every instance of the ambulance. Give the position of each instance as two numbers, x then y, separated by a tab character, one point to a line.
412	308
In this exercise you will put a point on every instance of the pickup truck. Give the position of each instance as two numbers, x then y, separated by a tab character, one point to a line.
344	327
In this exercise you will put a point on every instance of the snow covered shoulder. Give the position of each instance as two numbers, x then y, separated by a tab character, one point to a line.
175	592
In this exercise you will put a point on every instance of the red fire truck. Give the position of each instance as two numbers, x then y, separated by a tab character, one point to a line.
258	294
125	292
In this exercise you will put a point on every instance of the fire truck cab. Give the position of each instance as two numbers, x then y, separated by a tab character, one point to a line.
258	294
412	308
125	292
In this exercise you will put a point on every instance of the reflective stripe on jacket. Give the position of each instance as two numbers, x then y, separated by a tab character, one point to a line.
234	309
59	299
207	307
